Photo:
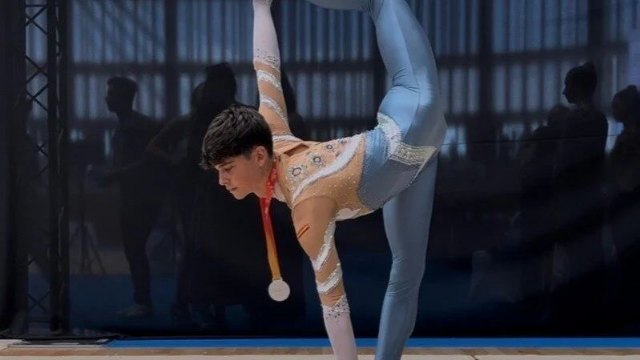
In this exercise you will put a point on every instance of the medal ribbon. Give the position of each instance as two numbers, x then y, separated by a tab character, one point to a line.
265	203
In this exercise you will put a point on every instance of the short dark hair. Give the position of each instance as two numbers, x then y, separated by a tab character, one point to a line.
235	131
125	87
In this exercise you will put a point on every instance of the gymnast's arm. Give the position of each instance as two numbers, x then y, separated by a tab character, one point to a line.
314	220
266	62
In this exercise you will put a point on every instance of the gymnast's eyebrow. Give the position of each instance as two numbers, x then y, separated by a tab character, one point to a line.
224	163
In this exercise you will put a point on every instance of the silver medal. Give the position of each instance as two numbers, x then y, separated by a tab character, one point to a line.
279	290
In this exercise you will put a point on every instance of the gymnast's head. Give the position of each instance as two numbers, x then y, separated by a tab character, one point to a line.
238	144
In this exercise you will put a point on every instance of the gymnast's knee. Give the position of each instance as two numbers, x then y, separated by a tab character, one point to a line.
406	277
428	106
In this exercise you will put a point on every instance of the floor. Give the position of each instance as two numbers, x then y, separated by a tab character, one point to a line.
614	349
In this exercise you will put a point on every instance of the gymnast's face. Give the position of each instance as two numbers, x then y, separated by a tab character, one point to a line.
244	174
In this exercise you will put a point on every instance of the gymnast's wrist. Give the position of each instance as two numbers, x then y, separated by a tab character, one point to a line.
257	3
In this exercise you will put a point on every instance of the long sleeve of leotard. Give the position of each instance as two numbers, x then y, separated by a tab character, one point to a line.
315	223
266	62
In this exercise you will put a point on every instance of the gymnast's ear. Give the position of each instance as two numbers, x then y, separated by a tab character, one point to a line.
260	155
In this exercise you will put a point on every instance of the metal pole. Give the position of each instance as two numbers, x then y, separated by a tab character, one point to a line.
63	139
54	196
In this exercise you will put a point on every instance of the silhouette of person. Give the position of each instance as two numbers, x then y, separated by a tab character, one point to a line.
139	185
537	217
624	178
296	122
579	202
170	147
626	110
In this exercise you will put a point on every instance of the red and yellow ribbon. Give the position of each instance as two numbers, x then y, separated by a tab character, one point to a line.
265	203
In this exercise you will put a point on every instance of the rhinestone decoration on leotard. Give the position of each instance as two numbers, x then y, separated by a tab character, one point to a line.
339	309
399	151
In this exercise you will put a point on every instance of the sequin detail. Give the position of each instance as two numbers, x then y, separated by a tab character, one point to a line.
295	174
341	161
277	138
338	309
330	147
268	77
266	58
323	255
399	151
273	105
412	155
331	282
315	159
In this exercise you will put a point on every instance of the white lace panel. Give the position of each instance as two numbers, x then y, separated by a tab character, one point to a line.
267	58
399	151
277	138
339	309
270	78
273	105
